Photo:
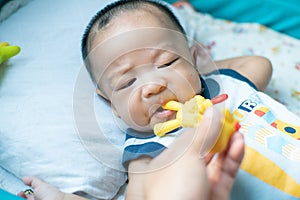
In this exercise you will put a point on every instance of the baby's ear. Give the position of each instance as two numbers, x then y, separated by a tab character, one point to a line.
100	93
201	59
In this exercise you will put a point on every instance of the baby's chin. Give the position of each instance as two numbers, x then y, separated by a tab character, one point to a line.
144	129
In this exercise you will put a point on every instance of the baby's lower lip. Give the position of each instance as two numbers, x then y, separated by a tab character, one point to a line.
164	114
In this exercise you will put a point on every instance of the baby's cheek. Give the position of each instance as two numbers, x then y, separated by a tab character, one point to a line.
196	83
192	80
139	115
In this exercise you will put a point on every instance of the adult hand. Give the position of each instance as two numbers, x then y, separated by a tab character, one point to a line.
184	170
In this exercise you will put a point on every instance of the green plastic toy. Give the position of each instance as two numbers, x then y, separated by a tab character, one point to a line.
7	51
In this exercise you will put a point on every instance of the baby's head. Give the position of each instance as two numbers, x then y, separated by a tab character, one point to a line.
138	56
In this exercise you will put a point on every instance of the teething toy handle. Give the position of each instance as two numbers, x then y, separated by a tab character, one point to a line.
193	108
190	114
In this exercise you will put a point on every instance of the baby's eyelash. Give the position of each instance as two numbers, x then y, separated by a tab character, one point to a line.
127	84
168	64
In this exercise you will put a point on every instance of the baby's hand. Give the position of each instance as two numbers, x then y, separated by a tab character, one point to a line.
42	190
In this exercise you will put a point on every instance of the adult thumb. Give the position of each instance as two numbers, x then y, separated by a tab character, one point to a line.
207	132
201	139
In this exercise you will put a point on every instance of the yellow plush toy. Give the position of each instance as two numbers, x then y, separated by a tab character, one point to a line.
7	51
190	115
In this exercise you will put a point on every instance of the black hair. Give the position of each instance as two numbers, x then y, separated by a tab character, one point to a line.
104	16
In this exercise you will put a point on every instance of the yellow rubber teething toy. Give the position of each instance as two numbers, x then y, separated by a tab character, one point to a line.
7	51
190	115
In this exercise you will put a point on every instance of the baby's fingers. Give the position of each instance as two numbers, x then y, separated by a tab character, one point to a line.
42	190
32	181
21	194
27	194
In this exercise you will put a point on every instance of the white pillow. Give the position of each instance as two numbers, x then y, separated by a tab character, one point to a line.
8	7
39	121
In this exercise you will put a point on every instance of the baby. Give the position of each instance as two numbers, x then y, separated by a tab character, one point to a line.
139	58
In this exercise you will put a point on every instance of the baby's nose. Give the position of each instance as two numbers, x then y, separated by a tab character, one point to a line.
152	89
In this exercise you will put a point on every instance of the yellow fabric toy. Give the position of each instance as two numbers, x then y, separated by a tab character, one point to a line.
190	115
7	51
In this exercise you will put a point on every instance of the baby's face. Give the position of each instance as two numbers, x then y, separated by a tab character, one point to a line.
140	67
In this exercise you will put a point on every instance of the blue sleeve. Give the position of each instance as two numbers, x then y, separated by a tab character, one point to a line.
132	152
137	144
234	74
140	145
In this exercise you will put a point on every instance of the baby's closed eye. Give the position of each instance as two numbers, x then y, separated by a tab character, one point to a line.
126	84
168	64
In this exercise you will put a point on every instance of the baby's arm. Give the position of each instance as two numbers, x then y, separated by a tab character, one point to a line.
257	69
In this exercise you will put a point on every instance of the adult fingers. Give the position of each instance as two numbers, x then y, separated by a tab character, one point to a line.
207	132
234	155
199	140
192	142
223	169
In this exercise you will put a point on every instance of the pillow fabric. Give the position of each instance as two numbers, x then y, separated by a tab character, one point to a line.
282	16
8	7
40	132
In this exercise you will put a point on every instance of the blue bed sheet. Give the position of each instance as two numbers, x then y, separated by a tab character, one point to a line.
282	16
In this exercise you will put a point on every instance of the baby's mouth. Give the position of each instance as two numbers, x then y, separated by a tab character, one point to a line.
160	109
163	114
